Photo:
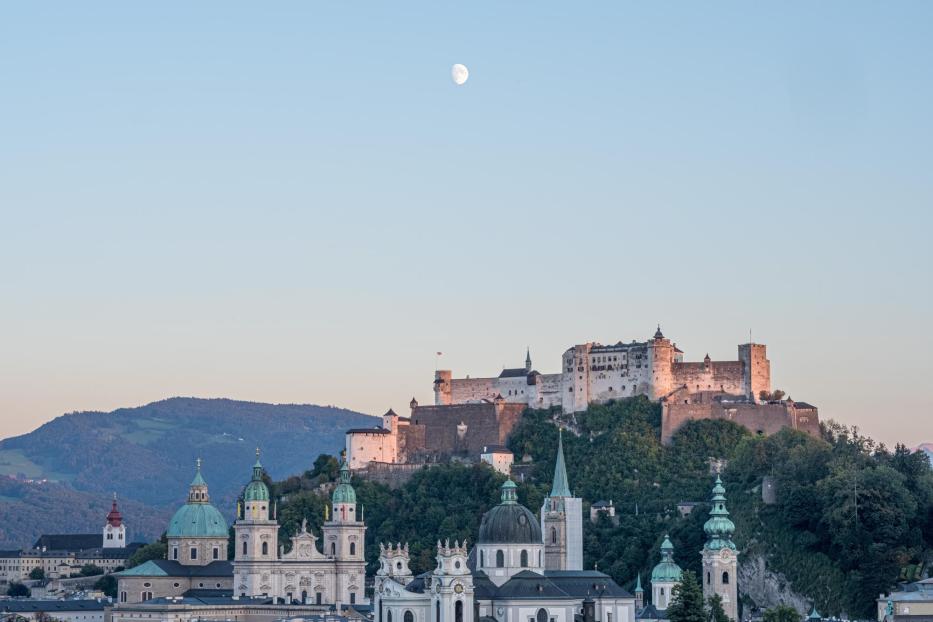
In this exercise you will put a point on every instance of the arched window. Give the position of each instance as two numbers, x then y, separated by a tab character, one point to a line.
458	611
500	559
265	548
388	616
409	616
482	560
524	558
304	596
725	578
541	616
353	548
553	535
333	551
437	611
216	553
244	548
707	578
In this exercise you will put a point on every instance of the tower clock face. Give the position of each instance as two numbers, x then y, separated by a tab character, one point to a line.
458	588
725	554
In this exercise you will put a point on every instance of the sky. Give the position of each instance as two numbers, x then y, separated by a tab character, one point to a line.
292	201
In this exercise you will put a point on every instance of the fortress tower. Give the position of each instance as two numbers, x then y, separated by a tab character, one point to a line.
660	365
719	554
442	396
756	369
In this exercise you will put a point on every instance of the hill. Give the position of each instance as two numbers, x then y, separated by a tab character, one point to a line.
147	455
806	547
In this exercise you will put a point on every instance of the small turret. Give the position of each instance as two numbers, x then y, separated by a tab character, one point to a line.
639	594
344	497
393	563
528	360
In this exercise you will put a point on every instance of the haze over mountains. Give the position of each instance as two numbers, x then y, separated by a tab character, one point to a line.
147	455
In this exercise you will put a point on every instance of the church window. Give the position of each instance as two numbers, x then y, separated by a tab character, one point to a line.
333	548
409	616
608	616
352	598
458	611
707	578
176	585
318	597
122	597
304	597
541	615
216	553
194	552
389	616
265	548
174	552
437	611
553	535
725	578
353	548
662	591
500	559
482	560
244	548
524	558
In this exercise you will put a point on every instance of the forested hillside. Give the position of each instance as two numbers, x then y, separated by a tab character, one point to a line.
147	455
834	556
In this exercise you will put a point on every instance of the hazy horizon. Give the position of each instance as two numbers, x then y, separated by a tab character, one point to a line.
294	203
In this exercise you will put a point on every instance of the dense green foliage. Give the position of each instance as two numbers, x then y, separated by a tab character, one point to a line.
91	570
18	590
687	601
108	585
782	613
715	610
37	574
837	557
156	550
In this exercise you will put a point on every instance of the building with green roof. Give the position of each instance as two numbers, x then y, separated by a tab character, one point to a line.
197	532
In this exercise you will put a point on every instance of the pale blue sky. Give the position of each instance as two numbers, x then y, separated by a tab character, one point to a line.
292	202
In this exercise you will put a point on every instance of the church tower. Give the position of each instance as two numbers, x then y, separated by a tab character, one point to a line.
343	540
719	554
528	361
453	589
664	577
114	530
562	520
257	539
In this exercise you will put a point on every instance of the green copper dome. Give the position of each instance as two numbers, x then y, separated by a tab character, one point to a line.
344	492
667	570
197	518
256	489
719	528
509	522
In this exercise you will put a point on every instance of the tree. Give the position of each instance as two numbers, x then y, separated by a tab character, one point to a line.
716	613
156	550
18	590
782	613
687	600
108	585
327	466
91	570
37	574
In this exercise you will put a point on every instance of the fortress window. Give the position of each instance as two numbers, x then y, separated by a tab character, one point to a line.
725	578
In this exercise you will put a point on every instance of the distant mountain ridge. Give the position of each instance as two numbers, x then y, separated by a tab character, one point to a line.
147	454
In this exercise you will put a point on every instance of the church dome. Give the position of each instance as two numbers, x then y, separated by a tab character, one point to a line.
667	570
509	522
197	518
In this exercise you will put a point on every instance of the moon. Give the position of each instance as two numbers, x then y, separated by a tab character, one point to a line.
459	73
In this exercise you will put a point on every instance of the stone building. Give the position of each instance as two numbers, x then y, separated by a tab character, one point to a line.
433	433
595	373
61	555
197	553
562	520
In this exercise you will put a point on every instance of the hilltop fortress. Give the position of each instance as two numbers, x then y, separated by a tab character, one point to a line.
592	373
475	416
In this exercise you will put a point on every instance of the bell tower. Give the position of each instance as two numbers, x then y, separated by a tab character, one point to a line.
562	520
256	540
452	600
719	554
114	530
344	535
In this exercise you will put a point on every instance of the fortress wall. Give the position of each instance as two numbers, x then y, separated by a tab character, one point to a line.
548	391
472	389
765	419
724	376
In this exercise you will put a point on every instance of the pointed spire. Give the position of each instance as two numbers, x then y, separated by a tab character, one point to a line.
638	588
528	359
198	480
658	334
560	487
